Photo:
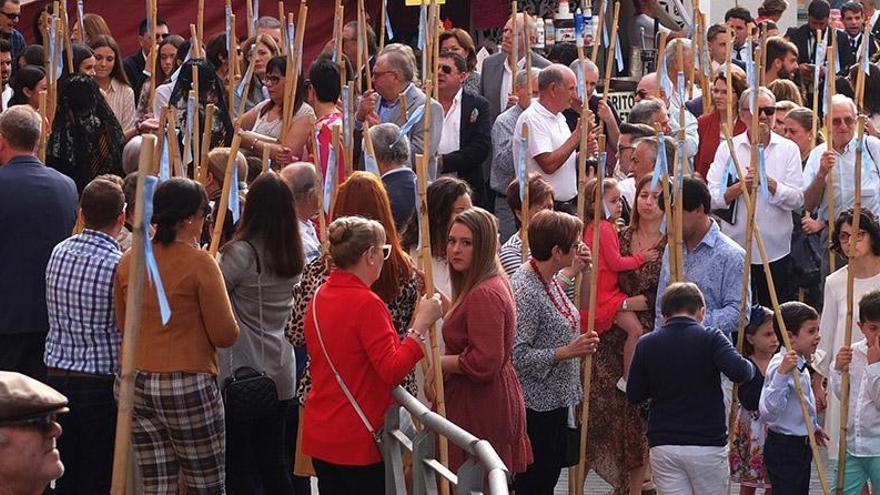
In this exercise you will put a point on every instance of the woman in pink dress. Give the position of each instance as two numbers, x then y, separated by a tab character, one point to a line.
482	392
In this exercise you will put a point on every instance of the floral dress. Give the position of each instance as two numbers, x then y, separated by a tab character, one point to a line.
314	275
749	433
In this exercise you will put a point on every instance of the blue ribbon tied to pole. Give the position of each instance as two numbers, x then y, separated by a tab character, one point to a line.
661	166
414	117
522	156
762	173
330	179
388	29
234	202
149	258
165	159
603	159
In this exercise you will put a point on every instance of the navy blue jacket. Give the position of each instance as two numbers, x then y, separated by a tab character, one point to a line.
401	187
37	211
678	368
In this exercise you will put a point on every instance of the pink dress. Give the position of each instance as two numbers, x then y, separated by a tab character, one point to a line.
486	399
609	297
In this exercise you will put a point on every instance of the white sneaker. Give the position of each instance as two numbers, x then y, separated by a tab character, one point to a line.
621	385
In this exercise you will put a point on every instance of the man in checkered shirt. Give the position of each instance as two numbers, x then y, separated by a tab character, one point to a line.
82	345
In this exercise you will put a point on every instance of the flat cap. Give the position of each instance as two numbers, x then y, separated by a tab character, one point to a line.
22	397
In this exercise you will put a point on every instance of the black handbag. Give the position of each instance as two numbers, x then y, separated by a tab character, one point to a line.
249	394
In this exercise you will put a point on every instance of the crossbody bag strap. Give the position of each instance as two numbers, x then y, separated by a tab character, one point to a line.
345	390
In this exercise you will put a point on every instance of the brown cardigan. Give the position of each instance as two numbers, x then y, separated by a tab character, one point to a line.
709	130
201	316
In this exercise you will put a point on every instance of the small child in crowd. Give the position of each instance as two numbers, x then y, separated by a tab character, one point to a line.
863	429
787	453
747	452
678	368
613	306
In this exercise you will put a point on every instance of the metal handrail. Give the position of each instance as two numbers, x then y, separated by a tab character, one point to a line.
481	456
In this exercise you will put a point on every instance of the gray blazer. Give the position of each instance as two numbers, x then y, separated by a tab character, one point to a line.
415	98
490	79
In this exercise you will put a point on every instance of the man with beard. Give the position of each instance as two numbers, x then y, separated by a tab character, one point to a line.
782	58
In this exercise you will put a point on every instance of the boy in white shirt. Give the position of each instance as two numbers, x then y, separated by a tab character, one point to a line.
863	431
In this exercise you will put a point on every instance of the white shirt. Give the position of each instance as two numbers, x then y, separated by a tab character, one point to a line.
628	190
691	134
844	177
7	95
309	236
450	139
863	434
773	219
547	133
506	88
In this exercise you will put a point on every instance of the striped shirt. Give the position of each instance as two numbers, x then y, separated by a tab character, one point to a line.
511	254
120	98
83	334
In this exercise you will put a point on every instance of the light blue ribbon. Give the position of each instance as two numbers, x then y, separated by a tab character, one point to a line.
291	39
149	19
149	258
423	15
165	159
579	29
190	109
603	159
521	175
370	164
414	117
821	49
581	84
665	83
330	179
762	173
728	173
618	53
661	165
228	14
751	70
679	176
346	117
681	94
829	75
418	211
389	31
233	200
255	16
663	224
51	52
866	60
80	11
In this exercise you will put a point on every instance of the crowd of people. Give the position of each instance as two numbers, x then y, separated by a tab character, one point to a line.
274	362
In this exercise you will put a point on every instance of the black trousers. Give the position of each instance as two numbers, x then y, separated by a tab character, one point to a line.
788	461
255	455
302	485
782	280
86	447
23	352
547	434
336	479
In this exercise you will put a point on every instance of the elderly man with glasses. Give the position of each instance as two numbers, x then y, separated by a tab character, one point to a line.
28	430
777	197
10	13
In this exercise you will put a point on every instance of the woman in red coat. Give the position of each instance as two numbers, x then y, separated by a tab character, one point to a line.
348	327
483	393
709	125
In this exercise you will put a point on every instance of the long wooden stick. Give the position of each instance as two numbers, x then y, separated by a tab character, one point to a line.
154	53
816	90
513	58
808	420
383	19
661	52
677	249
177	169
132	323
829	179
232	63
68	49
349	132
524	206
609	59
594	53
587	369
223	205
200	20
202	149
319	189
248	78
44	133
160	143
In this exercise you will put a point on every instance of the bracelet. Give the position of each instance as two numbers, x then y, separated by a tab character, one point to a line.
416	335
564	279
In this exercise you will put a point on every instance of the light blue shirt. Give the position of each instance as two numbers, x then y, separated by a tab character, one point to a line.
844	177
716	266
779	406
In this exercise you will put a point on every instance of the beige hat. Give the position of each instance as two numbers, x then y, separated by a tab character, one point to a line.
22	398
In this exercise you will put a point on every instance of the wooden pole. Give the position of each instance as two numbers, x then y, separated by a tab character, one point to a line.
249	6
513	58
771	286
265	161
132	323
201	149
295	60
829	179
44	133
362	28
383	19
222	205
524	207
66	37
816	90
160	142
680	156
609	59
177	170
319	190
594	53
200	20
661	53
154	53
349	131
232	63
587	370
337	148
337	30
248	77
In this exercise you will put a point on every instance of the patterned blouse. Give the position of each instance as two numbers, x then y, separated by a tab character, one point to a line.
314	275
541	327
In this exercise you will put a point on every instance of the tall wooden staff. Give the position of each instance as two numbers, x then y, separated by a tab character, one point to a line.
177	170
248	77
44	134
132	323
680	157
814	129
200	20
67	41
154	52
232	63
609	59
771	286
513	58
526	200
829	179
249	7
337	35
223	205
594	54
349	131
294	68
598	209
319	189
661	52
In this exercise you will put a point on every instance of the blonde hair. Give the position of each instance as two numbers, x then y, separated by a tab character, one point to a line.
484	261
350	237
217	159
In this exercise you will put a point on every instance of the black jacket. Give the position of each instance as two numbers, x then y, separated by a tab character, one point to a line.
134	69
475	144
801	37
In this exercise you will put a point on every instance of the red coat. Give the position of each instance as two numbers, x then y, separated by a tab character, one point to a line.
709	129
363	345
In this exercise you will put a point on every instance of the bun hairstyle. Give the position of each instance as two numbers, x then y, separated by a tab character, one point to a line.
175	200
350	237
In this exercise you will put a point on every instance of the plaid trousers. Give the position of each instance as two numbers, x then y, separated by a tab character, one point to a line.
178	426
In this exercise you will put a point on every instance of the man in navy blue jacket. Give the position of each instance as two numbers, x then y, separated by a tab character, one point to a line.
678	368
37	211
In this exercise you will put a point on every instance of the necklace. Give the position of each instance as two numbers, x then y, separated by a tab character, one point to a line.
563	308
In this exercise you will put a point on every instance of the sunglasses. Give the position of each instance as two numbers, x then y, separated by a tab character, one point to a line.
445	69
767	111
43	424
386	251
12	16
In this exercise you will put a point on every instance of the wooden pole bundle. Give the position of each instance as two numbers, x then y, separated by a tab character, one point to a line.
786	341
132	324
221	206
587	370
829	179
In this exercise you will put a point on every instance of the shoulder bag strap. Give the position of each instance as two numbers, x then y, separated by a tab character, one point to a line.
260	303
345	390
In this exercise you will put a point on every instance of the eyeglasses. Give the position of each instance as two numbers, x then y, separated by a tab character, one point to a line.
767	111
846	236
271	80
43	424
848	121
445	69
386	251
12	16
377	74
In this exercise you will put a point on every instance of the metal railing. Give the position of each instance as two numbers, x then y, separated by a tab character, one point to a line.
481	456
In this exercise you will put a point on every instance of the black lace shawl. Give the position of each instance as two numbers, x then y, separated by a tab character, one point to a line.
211	90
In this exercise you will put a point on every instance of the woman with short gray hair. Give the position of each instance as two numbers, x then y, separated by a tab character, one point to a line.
391	150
